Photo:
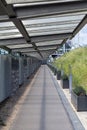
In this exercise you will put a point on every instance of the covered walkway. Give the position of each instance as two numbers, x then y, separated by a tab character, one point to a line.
42	108
31	31
37	28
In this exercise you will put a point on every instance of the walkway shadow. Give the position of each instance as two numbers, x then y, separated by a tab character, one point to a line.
43	104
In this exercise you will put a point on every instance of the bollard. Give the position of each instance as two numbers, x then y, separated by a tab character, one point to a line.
62	72
70	79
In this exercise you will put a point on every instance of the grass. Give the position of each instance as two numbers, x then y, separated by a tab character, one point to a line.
77	59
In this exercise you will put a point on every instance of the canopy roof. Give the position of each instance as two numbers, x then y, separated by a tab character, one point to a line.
37	27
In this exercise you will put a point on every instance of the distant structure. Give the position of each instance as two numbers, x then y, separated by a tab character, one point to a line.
62	49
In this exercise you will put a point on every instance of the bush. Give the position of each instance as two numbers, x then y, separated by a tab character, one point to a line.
79	91
77	59
65	77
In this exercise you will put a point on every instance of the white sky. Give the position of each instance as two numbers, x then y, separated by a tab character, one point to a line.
81	37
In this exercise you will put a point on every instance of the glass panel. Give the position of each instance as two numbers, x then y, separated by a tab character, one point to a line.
5	30
51	25
19	46
6	24
47	48
49	43
8	30
27	50
15	35
10	36
51	32
54	19
63	24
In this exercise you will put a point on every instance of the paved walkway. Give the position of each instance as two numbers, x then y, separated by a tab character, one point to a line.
42	108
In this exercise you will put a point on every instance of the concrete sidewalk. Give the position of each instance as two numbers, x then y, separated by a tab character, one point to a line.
77	124
42	108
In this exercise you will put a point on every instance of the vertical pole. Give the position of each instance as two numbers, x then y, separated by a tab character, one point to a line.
64	49
62	72
70	79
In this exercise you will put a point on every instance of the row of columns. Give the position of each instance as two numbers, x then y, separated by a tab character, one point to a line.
14	71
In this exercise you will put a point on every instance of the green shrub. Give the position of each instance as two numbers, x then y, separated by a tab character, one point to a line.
65	77
79	91
77	59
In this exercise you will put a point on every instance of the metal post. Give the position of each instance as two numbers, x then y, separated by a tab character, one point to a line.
70	79
62	72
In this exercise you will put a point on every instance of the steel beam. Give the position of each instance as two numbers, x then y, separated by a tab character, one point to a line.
50	9
8	9
2	11
21	28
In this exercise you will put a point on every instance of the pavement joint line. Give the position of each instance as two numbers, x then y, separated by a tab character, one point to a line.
77	125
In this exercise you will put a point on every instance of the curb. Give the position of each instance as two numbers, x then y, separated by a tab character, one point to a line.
77	125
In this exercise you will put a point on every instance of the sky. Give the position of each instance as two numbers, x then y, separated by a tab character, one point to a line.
81	38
